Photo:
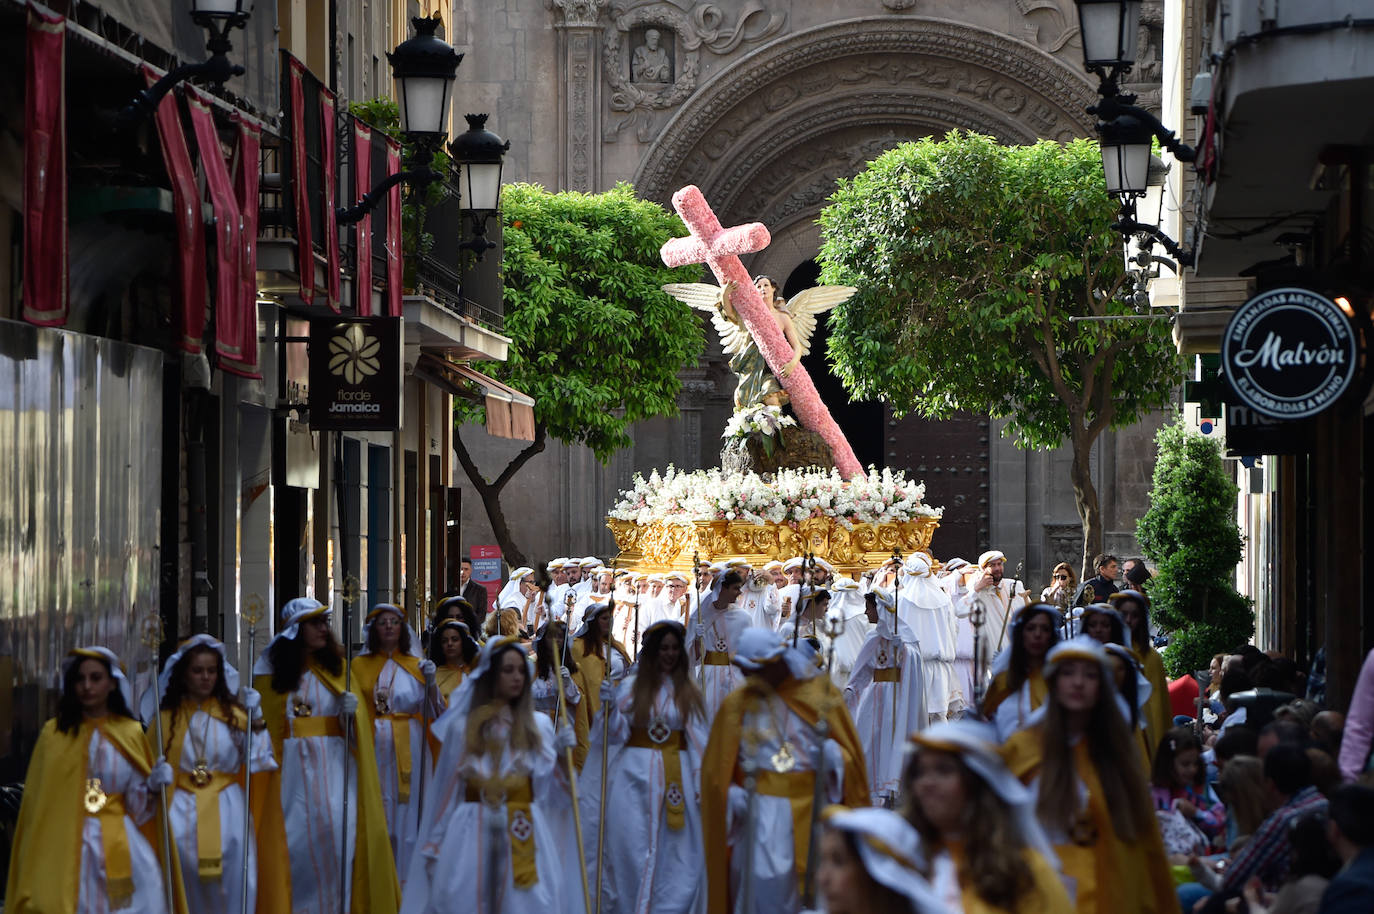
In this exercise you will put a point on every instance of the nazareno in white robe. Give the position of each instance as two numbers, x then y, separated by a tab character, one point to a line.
650	868
925	607
463	854
405	695
222	748
774	868
589	782
559	808
713	630
118	776
885	713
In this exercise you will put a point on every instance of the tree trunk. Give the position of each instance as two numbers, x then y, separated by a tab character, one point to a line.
490	492
1085	500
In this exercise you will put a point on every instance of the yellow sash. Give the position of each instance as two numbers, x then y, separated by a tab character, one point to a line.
674	799
517	794
114	841
209	852
887	674
400	736
716	658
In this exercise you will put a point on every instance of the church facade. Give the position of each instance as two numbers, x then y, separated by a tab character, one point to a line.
764	104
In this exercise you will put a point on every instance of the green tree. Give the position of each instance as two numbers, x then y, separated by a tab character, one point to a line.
971	258
594	339
1190	533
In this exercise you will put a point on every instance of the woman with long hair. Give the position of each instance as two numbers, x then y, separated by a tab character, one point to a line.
1018	687
652	854
597	654
322	737
395	684
87	839
485	839
1092	793
1134	607
549	680
869	861
454	652
985	849
1063	585
203	731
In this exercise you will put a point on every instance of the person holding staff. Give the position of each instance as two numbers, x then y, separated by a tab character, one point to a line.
87	839
308	708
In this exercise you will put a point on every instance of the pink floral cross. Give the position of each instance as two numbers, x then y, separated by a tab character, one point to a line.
719	248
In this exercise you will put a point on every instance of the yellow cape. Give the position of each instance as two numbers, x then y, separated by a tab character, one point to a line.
720	769
45	863
1158	714
593	669
269	828
1112	876
1047	894
1000	690
375	887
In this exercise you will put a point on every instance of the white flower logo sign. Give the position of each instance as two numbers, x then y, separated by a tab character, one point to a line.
353	354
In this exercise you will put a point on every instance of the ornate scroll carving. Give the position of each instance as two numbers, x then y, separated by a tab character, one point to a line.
579	13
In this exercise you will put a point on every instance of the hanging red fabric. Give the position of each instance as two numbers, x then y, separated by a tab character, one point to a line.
247	174
331	221
362	183
394	278
45	288
305	253
186	205
227	302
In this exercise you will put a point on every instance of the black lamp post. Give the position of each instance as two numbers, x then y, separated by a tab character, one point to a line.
1109	29
424	67
218	17
480	155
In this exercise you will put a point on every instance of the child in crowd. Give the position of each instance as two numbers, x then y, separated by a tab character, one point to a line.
1178	783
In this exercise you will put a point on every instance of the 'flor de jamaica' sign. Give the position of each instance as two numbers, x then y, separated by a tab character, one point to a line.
1288	353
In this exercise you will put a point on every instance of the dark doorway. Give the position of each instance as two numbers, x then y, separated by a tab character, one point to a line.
951	457
861	421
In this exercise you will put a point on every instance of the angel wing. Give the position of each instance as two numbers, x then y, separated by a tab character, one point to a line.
806	305
734	338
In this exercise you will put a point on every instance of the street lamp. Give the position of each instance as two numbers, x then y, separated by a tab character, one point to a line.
424	67
479	154
218	17
1109	29
1126	155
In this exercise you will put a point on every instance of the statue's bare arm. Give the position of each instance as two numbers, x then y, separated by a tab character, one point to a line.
789	330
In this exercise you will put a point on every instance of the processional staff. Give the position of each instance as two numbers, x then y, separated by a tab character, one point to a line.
701	647
252	614
834	628
568	757
605	757
152	639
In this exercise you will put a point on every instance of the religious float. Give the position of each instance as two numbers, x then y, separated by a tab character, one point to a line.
783	490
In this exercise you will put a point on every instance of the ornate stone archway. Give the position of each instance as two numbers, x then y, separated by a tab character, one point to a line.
766	138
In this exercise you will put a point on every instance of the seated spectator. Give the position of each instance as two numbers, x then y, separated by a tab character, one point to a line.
1359	724
1314	863
1326	774
1178	782
1299	710
1288	774
1242	788
1350	830
1326	731
1280	731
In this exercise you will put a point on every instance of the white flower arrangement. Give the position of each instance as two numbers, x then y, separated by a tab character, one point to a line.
758	419
683	498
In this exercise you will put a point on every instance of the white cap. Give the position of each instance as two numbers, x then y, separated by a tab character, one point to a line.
769	566
795	561
890	850
553	566
990	556
590	561
76	655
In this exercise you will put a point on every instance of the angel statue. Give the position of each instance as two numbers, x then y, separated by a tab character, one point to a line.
796	319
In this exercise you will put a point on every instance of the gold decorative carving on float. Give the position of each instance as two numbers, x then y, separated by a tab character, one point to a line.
660	547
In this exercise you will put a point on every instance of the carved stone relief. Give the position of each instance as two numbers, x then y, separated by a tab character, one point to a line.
1049	24
651	56
927	75
578	13
899	5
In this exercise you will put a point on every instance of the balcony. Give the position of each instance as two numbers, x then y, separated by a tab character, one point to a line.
1292	83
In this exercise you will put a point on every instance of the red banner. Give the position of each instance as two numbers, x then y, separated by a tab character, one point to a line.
247	173
393	233
186	205
362	183
227	303
45	171
331	221
305	255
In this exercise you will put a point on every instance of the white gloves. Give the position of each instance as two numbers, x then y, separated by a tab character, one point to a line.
252	700
348	704
427	669
564	738
607	690
567	677
161	776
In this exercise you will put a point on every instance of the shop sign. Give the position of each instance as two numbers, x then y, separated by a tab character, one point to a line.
355	374
1288	353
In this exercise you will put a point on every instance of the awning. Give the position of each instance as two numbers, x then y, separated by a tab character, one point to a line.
510	414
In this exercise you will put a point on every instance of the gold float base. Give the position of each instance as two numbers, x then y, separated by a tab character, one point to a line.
660	547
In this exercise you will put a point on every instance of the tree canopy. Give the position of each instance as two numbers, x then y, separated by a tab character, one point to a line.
594	339
971	258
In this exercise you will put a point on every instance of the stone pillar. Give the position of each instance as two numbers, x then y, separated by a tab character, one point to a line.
580	99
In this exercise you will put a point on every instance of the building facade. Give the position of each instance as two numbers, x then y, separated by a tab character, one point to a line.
764	105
